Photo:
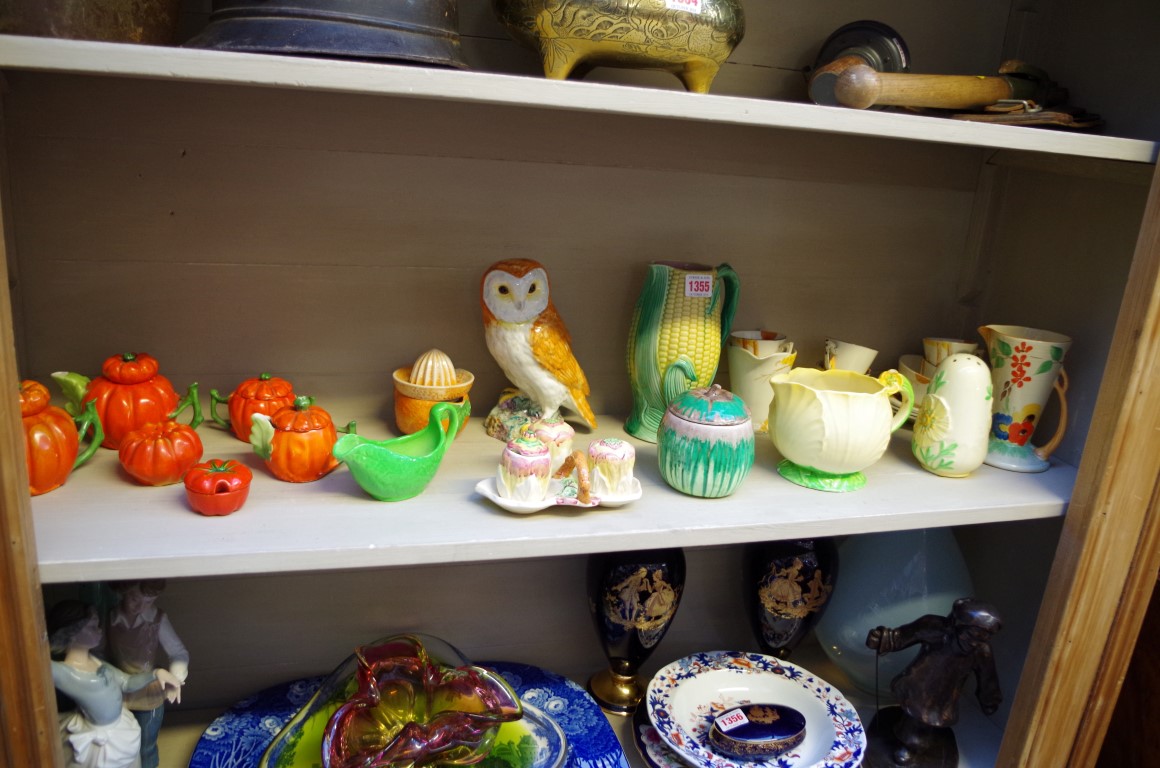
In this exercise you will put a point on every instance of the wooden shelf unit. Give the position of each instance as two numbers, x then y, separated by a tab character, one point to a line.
238	213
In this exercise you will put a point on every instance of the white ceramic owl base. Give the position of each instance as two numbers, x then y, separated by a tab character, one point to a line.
511	414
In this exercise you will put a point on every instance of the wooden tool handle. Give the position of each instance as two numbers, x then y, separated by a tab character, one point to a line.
861	86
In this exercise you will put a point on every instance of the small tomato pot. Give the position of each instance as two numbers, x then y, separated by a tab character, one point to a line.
218	487
705	444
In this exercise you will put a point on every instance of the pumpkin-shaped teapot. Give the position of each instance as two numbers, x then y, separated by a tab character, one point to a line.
129	394
262	394
52	438
296	442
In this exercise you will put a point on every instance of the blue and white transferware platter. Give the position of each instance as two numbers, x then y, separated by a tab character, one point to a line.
684	697
591	741
238	737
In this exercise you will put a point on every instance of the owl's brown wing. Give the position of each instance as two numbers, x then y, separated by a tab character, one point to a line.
552	348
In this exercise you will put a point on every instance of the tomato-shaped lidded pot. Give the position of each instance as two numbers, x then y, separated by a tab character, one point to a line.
296	442
218	486
52	438
129	394
705	444
160	454
262	394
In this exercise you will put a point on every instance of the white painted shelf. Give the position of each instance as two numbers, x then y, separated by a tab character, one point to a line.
101	525
180	64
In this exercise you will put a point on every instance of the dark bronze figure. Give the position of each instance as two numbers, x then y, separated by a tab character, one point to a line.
952	647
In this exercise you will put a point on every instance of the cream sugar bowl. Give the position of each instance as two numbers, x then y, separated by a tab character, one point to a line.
830	425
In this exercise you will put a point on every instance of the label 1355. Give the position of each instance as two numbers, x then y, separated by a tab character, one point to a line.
699	286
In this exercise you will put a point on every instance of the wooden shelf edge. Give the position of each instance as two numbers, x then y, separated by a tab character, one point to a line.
262	70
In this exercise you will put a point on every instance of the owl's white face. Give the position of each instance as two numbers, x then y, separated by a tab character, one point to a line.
516	299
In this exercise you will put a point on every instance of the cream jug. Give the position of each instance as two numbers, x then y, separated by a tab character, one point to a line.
830	425
1026	365
749	375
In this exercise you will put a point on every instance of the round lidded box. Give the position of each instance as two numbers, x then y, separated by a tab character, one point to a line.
705	444
756	731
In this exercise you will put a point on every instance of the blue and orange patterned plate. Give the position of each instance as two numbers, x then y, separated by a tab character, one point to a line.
684	697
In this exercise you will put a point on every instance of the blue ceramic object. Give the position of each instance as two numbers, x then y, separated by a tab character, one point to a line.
888	579
787	587
633	598
757	730
425	33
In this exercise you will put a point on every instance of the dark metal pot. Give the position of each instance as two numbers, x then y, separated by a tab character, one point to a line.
418	31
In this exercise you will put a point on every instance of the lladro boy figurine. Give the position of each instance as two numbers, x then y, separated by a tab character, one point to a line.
140	639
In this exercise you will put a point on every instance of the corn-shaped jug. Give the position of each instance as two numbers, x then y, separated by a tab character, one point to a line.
684	311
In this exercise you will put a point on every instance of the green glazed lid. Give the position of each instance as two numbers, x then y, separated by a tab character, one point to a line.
710	405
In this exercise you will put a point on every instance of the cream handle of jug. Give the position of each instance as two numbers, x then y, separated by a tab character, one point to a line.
1049	447
895	382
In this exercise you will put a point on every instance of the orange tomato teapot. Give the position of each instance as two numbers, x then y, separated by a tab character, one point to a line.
52	438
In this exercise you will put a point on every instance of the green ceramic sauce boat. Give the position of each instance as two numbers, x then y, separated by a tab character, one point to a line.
400	468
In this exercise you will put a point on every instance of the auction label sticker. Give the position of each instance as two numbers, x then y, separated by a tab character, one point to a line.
689	6
734	718
699	286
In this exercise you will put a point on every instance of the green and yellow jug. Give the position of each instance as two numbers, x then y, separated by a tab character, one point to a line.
684	311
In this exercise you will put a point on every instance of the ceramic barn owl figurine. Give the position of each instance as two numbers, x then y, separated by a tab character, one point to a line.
528	339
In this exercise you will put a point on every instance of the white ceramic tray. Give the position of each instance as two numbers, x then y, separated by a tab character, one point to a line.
561	493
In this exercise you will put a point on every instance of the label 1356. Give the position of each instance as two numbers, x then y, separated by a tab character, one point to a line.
732	719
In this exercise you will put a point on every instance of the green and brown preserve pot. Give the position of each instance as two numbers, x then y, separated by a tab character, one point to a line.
705	444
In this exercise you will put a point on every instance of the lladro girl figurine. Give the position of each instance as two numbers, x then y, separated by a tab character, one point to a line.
101	733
